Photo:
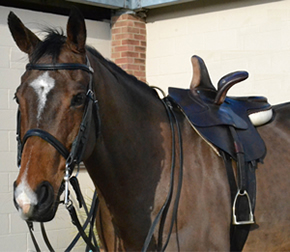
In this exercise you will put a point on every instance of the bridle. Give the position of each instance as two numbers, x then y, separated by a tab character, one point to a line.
75	155
72	157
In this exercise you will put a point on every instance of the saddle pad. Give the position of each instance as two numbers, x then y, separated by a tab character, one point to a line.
213	121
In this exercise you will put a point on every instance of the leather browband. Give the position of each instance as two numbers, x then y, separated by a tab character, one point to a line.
60	66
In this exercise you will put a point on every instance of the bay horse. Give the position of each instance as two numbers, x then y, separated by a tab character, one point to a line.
130	152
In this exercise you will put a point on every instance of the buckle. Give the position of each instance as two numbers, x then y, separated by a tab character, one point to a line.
66	183
251	216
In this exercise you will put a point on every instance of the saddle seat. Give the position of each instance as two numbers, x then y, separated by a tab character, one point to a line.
212	113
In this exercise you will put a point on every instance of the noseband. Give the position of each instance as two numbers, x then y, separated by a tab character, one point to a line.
74	156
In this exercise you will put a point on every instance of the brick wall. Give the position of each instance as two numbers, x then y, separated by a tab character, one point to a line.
129	44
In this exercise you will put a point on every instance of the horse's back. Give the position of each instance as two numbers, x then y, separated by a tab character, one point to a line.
273	179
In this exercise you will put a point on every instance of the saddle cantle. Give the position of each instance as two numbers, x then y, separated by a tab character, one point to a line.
211	112
225	123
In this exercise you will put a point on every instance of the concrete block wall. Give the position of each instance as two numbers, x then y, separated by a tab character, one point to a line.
14	234
229	36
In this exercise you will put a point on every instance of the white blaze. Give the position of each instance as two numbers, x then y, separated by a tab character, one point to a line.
25	196
42	86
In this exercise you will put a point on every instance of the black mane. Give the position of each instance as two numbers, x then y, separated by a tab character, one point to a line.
115	68
50	46
54	41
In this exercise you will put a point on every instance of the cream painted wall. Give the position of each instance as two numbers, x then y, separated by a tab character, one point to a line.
229	36
14	234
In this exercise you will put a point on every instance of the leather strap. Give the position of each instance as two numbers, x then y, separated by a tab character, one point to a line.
90	215
30	228
60	66
161	215
45	238
239	233
48	138
76	222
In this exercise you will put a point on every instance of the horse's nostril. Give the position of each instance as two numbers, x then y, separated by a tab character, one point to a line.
45	195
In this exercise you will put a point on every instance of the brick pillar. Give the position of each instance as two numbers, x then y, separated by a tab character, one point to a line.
129	44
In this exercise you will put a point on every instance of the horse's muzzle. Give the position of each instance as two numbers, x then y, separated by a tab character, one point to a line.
39	205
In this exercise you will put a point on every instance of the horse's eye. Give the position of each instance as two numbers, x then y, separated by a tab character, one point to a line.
78	100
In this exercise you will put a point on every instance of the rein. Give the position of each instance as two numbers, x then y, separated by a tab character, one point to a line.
161	216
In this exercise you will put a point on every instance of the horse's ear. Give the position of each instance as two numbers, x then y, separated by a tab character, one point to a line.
200	76
76	31
25	39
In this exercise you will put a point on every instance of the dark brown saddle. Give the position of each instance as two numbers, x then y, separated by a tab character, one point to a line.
224	122
212	113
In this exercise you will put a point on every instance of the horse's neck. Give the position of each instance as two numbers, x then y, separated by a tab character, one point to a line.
122	165
126	163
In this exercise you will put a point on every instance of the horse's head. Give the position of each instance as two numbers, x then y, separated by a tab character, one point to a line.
50	101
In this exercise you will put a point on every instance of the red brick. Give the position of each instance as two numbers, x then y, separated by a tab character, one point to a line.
140	37
130	42
143	31
139	61
130	30
129	54
141	49
130	67
124	36
123	48
140	24
116	42
116	30
123	23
